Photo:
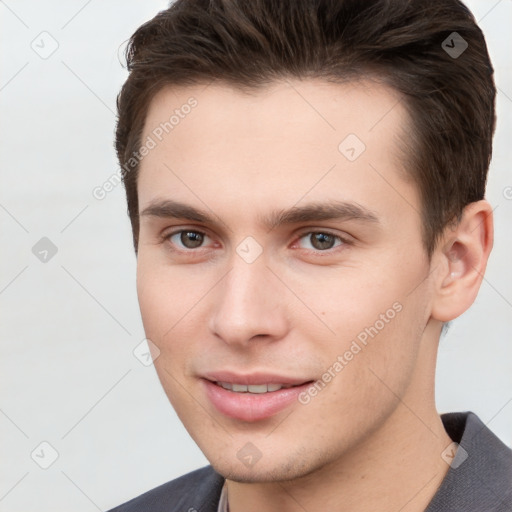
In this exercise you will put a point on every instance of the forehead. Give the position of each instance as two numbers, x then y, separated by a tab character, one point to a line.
278	144
329	108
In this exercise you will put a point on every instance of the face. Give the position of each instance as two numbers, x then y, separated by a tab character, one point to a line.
280	257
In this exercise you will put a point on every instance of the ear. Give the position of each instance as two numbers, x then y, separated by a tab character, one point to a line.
460	259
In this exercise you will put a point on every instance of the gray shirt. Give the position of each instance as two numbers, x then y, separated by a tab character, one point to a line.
479	478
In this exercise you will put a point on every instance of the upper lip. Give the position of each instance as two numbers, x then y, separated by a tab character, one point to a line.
253	378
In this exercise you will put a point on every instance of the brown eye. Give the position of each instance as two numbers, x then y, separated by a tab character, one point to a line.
187	238
321	241
191	239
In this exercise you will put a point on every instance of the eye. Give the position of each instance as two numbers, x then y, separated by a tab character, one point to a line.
321	241
187	238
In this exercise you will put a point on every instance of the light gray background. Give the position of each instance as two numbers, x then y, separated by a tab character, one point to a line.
69	326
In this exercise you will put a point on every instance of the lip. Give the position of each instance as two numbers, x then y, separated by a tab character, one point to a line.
251	407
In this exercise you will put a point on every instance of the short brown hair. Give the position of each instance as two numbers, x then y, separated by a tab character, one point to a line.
250	43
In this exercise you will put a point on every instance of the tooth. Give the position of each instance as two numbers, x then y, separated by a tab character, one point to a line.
252	388
257	388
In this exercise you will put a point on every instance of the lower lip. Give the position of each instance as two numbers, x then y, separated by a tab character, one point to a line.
252	406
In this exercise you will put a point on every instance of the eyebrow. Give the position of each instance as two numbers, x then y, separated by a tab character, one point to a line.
317	211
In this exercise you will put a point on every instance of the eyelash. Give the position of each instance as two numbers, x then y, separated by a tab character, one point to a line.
344	241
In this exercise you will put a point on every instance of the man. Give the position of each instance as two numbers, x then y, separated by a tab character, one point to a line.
305	182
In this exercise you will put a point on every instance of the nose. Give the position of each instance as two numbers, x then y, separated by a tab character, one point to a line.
249	304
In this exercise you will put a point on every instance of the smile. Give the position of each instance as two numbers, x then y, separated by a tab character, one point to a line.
253	388
252	402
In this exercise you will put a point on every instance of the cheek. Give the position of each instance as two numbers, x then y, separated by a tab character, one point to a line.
173	301
362	379
167	296
166	303
155	302
376	326
345	301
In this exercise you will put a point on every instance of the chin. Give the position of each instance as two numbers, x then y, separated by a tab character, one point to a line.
265	471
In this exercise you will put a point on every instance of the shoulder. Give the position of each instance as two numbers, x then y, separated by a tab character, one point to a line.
198	491
480	474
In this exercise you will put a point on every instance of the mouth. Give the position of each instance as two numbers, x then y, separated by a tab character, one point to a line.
252	398
254	388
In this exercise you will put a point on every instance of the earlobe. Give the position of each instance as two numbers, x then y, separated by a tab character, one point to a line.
462	258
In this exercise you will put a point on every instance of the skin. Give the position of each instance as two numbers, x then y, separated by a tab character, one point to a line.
372	438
